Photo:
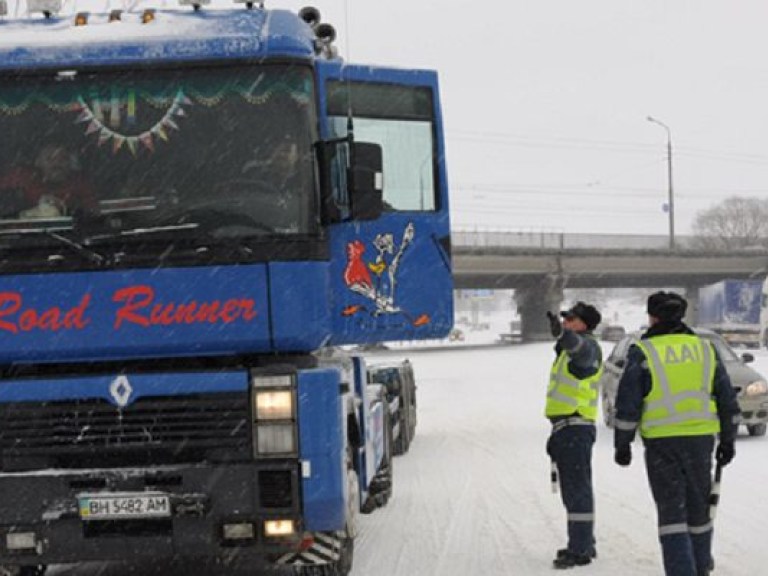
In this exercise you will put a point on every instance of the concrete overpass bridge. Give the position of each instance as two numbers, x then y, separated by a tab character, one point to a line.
539	266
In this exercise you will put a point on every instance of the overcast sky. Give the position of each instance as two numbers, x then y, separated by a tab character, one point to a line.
545	102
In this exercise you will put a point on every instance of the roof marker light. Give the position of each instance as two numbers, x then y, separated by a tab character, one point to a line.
46	7
148	16
196	4
81	19
310	15
115	15
3	8
249	3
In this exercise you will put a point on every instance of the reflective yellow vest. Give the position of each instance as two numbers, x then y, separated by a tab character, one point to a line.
680	402
568	395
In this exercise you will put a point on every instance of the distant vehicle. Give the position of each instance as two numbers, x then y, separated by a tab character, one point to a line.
732	309
515	333
612	333
764	314
398	379
456	335
749	384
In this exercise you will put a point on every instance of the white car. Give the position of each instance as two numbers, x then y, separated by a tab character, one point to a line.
751	387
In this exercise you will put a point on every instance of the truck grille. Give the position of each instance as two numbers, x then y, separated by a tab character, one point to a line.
275	488
152	430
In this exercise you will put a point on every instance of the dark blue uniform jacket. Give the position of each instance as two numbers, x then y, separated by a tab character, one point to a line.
635	385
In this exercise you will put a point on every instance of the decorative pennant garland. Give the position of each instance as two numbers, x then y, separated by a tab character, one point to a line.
95	118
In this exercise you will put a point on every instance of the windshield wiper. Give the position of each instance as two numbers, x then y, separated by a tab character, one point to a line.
144	231
90	255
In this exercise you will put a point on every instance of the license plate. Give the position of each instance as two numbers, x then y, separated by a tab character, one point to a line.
123	506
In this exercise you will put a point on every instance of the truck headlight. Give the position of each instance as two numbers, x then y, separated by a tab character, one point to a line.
274	404
274	415
275	439
756	388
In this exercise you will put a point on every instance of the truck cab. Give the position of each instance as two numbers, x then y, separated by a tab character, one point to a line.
194	202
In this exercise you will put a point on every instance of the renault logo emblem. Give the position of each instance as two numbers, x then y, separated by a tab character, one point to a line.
121	390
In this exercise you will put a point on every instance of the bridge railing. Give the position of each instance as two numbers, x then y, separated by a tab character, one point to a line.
562	241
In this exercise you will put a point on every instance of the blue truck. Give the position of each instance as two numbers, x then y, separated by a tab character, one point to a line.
732	309
195	203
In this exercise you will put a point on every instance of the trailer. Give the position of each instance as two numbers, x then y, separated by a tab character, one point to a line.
732	309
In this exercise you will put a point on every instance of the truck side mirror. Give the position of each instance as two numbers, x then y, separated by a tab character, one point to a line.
366	185
351	180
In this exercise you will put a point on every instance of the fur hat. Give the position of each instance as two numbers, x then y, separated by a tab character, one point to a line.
668	306
586	312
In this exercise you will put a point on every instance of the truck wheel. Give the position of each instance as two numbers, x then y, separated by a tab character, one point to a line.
380	488
756	429
403	441
385	472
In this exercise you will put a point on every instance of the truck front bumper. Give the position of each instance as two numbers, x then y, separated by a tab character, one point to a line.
40	511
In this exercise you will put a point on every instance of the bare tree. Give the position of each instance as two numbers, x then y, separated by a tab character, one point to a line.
734	223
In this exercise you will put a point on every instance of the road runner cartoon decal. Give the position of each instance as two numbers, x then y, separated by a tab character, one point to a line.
376	280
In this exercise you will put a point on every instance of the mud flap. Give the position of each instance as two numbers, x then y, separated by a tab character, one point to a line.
325	549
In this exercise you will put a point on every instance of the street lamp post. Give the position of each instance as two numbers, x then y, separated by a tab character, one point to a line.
670	192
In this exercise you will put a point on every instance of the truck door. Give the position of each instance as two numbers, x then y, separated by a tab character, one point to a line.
391	275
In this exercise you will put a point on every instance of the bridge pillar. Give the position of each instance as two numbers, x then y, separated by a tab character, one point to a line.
533	300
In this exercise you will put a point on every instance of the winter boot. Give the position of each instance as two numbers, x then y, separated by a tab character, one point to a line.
564	551
568	559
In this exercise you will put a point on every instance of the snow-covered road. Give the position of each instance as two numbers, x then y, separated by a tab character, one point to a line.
473	494
472	497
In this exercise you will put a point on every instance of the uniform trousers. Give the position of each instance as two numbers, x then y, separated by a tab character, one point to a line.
571	449
680	474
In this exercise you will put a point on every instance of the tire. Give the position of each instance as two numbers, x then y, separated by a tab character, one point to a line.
403	442
383	474
757	429
386	467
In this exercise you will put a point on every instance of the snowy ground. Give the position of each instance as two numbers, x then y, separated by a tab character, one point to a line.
473	496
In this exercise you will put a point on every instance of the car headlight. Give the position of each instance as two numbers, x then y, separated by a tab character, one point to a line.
757	388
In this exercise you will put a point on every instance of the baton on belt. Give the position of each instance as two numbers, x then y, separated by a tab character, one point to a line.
714	495
553	476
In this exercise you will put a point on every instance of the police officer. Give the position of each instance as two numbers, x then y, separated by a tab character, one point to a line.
572	408
676	390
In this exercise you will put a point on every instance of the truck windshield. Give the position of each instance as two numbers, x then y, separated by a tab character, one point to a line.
215	153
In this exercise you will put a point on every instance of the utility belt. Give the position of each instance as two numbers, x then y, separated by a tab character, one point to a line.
570	421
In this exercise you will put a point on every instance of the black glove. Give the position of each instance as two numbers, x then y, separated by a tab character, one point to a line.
725	453
623	455
554	325
549	448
